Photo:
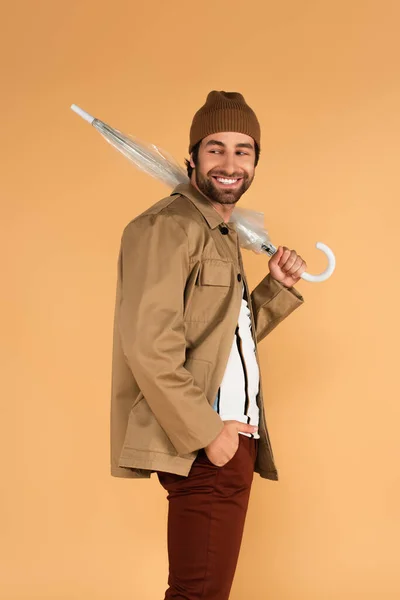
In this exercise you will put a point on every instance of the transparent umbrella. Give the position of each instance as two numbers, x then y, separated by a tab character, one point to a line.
161	165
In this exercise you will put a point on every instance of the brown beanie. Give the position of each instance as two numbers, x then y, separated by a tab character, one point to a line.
224	111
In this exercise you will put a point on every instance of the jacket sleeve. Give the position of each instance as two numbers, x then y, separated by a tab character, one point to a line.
272	302
155	267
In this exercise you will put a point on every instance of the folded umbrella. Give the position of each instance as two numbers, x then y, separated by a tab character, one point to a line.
161	165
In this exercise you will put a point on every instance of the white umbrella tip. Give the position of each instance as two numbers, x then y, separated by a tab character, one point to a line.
82	113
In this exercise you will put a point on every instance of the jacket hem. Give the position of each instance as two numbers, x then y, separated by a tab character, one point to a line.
140	466
157	461
272	475
128	473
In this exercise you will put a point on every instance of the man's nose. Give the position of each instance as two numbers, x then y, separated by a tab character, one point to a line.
229	163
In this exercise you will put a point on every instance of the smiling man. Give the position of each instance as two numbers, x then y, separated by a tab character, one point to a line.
187	401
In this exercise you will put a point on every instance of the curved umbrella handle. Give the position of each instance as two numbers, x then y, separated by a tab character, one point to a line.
270	249
330	268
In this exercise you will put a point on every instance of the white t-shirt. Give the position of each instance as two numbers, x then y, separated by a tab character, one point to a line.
236	397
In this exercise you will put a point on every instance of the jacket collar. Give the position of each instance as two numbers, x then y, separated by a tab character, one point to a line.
211	215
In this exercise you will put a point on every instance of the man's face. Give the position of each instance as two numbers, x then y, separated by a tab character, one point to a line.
225	166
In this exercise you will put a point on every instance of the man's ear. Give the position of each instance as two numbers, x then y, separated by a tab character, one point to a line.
191	161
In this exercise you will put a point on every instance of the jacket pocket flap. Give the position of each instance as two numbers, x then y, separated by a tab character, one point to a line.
215	272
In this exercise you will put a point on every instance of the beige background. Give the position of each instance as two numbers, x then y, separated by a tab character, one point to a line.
323	78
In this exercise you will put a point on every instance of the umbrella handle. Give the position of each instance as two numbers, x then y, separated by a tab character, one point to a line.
330	268
82	113
271	250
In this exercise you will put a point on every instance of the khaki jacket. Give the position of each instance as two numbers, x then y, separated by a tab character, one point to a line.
177	305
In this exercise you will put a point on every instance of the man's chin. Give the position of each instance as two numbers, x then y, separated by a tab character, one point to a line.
218	194
226	196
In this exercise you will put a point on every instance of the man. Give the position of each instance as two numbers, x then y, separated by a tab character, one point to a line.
187	399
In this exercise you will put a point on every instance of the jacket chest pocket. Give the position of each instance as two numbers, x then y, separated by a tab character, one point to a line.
214	272
211	293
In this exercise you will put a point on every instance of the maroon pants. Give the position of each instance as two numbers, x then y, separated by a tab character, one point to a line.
207	511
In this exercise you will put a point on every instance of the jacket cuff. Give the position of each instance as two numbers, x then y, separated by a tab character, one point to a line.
292	289
272	302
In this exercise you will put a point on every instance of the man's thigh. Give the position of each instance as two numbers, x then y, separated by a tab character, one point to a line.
206	517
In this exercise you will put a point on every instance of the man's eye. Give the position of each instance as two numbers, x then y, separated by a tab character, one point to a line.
244	153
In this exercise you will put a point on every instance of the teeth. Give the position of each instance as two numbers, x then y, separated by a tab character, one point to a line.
227	181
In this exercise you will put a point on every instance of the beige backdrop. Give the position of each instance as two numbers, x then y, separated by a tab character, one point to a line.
323	78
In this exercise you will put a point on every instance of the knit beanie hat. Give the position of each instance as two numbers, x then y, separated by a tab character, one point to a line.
224	111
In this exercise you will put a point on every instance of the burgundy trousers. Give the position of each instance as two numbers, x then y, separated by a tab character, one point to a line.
206	516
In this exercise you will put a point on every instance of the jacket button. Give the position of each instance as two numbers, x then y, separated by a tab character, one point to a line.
239	277
224	230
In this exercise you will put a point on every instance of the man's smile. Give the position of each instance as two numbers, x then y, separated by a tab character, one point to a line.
227	182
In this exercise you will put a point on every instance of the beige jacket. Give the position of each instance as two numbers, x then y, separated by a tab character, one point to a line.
177	305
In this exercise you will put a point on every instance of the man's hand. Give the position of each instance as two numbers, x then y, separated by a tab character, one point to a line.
286	266
222	449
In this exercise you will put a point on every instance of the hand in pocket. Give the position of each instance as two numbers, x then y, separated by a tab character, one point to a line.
223	448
